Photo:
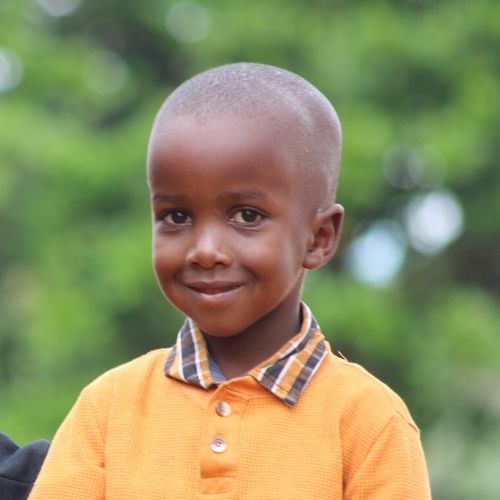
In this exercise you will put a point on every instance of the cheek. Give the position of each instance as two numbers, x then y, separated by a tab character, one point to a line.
277	257
163	259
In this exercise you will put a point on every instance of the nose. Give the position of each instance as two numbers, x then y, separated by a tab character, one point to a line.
208	248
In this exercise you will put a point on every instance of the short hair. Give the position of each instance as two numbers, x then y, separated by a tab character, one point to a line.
291	103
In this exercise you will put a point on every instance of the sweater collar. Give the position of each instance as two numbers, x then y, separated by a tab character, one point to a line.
285	374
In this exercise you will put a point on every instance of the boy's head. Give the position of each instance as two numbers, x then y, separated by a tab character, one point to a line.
283	100
242	167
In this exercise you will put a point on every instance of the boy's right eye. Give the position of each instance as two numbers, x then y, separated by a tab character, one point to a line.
176	217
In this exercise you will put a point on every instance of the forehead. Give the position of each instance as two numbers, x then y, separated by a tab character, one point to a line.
246	150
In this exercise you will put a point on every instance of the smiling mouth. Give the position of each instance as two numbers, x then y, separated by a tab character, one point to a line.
216	288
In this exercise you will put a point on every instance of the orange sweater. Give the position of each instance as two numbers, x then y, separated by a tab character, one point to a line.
136	434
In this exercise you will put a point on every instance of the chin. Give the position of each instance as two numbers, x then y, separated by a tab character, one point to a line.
218	332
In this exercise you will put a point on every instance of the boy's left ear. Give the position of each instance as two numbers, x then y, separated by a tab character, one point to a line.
325	236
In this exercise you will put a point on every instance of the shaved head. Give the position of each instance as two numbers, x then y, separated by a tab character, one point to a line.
291	105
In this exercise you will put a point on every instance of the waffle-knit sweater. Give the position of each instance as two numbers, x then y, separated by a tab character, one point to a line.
135	434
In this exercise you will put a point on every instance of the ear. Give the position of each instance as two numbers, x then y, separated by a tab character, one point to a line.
325	236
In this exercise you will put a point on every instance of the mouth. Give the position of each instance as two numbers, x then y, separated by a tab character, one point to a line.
213	288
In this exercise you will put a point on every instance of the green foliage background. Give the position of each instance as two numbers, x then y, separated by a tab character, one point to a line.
77	293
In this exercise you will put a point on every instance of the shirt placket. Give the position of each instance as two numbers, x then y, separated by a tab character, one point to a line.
220	449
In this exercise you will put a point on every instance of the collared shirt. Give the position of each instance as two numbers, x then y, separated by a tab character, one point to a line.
285	374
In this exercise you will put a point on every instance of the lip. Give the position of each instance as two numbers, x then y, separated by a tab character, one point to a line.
214	288
214	294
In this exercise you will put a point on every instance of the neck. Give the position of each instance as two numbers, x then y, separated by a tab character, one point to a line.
238	354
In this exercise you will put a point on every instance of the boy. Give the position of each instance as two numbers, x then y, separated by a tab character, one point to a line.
250	403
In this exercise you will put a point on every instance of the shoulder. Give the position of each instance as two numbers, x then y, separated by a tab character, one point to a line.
365	412
359	395
117	393
141	365
129	378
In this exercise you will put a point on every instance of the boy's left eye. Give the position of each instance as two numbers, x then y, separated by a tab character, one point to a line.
247	216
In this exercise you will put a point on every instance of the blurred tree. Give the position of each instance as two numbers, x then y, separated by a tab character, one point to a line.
413	293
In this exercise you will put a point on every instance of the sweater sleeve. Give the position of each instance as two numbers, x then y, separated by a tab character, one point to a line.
74	467
394	467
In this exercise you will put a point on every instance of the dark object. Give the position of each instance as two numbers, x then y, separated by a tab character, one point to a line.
19	467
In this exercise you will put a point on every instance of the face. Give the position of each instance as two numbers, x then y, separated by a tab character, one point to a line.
231	229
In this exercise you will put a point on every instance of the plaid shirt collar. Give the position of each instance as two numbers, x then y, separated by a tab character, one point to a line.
285	374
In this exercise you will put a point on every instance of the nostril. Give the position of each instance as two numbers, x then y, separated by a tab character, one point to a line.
207	252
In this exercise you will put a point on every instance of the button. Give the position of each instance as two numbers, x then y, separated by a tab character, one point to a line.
218	445
223	409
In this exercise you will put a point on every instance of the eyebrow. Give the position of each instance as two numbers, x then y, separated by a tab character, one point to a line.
239	195
246	195
164	197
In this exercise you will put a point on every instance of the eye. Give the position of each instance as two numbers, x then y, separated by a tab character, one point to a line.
176	217
247	216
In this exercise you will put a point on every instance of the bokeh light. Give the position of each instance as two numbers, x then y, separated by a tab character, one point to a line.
106	72
188	22
433	221
59	8
376	256
11	69
408	168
